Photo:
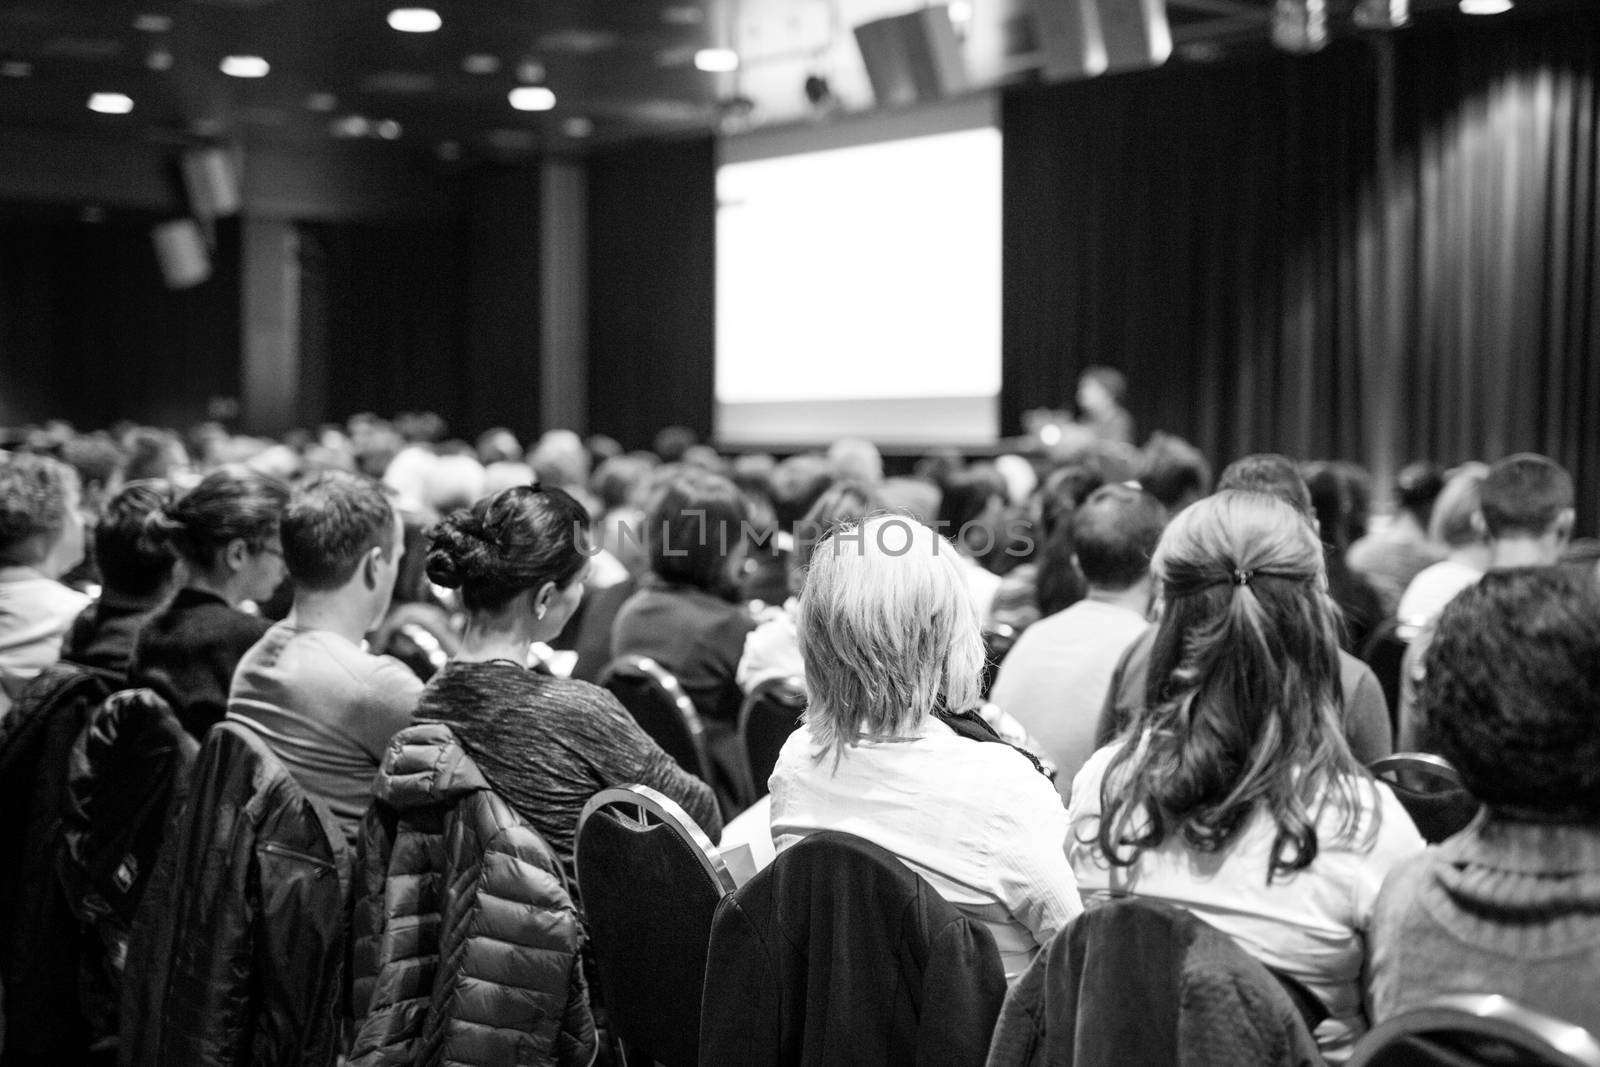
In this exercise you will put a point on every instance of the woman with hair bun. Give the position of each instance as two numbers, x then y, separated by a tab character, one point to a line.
545	744
1233	793
225	530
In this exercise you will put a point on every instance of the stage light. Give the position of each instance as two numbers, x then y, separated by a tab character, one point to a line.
1485	7
111	103
532	98
716	60
245	66
415	20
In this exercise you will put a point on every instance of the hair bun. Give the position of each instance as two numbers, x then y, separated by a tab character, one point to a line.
457	550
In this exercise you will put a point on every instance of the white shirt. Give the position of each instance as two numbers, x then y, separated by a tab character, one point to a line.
1055	679
1432	589
35	614
982	583
975	819
1310	925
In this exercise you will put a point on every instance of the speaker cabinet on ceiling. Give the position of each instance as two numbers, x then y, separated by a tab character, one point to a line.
1085	38
182	253
912	58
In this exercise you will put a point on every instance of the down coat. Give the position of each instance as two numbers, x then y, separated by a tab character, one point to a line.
466	943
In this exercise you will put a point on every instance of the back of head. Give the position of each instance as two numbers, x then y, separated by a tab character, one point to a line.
845	503
152	454
1115	534
617	479
96	458
967	495
1525	495
228	504
507	544
1113	381
1331	500
671	442
1174	471
498	445
332	521
696	522
35	495
560	460
452	481
855	459
888	632
1452	520
1272	474
1512	693
1416	488
797	483
132	562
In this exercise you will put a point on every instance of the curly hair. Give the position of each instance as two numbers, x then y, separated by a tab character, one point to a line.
1512	692
35	493
515	540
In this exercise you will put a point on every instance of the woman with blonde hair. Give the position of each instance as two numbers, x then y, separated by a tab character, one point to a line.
893	653
1233	793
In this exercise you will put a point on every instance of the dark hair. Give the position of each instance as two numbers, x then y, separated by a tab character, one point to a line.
844	503
1173	471
1058	583
332	521
227	504
33	501
695	521
1272	474
1416	487
1512	691
505	544
1115	533
671	442
130	560
1244	702
965	495
1524	493
615	481
797	484
150	453
1331	502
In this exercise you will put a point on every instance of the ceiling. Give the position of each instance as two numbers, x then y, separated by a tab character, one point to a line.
620	68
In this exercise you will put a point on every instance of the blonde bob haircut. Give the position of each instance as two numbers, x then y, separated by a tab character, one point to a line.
888	633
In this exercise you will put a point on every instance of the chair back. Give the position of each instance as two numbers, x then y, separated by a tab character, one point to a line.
766	719
662	709
997	643
650	884
1475	1031
1431	792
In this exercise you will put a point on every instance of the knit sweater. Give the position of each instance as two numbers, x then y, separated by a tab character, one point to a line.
546	745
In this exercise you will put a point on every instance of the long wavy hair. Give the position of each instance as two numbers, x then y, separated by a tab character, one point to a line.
1244	704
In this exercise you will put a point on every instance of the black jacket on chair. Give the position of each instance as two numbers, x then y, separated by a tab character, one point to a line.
237	949
837	953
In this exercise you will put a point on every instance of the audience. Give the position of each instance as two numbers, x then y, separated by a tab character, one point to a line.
1391	556
545	744
1056	677
324	706
970	505
225	530
137	574
1049	580
892	648
1455	527
1233	793
41	539
1333	502
1511	905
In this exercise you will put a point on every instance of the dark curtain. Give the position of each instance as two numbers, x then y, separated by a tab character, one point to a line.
1382	252
652	250
90	333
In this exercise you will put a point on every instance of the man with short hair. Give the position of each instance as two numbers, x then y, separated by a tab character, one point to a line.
1056	676
324	706
1525	513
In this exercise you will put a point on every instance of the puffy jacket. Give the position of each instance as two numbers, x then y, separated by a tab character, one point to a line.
127	774
238	944
41	941
466	942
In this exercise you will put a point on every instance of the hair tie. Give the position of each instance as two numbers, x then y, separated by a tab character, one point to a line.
1242	577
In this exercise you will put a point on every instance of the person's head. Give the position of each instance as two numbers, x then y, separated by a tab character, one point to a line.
226	530
796	485
452	481
1174	471
1100	389
341	535
498	445
1526	496
843	504
855	459
1454	522
970	504
154	454
1244	691
695	532
41	525
671	442
1115	534
1512	692
1272	474
99	462
1416	488
1331	501
131	562
517	557
560	460
888	633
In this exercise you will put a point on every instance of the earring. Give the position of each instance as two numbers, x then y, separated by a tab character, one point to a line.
538	612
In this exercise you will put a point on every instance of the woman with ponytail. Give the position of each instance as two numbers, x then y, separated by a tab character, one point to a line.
1233	793
225	531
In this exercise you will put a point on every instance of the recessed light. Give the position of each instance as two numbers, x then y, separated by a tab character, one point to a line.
415	20
530	72
153	23
245	66
111	103
16	68
682	15
532	98
350	126
716	60
578	126
1485	7
158	59
480	63
388	129
321	102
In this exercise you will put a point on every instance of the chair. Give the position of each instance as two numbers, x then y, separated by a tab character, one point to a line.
1385	652
997	644
766	719
1475	1031
650	884
1431	792
662	709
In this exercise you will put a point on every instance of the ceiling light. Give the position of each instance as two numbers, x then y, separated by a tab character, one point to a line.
388	129
1485	7
153	23
245	66
480	63
350	126
16	68
530	72
578	126
716	60
111	103
321	102
682	15
158	59
415	20
532	98
1382	14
